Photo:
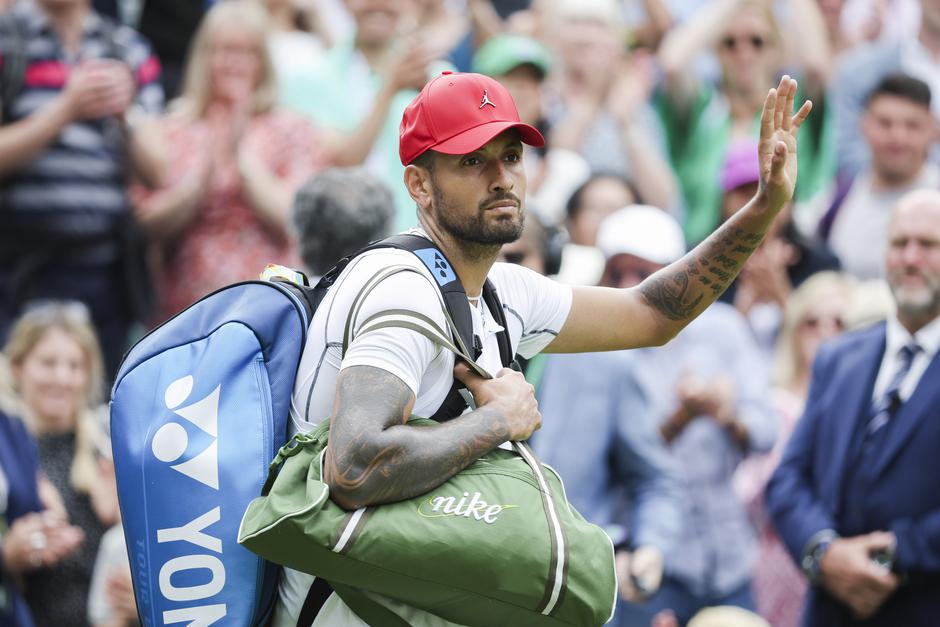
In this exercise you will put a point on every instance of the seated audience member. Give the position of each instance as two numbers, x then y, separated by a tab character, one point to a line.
57	375
337	212
522	64
814	313
616	469
702	118
855	497
707	390
600	106
899	128
860	71
236	161
70	137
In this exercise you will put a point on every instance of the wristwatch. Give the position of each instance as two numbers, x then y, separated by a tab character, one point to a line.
812	556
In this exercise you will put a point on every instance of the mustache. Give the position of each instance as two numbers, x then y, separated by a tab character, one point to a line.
499	197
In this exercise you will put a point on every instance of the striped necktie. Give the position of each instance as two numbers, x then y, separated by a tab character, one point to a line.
884	407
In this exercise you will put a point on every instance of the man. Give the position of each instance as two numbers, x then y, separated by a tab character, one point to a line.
855	498
522	65
465	174
617	471
860	71
68	139
337	212
899	128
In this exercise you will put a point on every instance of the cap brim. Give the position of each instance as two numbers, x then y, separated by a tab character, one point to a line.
474	138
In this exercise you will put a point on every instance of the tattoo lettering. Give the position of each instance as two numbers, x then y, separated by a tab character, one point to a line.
715	264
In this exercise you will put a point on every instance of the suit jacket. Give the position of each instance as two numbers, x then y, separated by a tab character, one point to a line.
902	491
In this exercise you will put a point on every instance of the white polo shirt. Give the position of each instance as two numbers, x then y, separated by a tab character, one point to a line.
535	309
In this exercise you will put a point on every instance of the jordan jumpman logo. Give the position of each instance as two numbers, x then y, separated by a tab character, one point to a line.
486	100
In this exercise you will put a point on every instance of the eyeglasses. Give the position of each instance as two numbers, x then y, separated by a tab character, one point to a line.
731	44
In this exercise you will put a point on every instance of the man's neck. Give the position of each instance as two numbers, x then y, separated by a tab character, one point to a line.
471	262
67	21
883	182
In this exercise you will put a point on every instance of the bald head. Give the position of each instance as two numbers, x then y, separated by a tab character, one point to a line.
913	258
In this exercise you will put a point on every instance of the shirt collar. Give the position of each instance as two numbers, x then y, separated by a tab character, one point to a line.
928	337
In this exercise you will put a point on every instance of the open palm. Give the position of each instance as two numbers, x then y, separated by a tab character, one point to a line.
777	147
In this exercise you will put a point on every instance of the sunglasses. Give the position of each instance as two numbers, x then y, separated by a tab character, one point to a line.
731	43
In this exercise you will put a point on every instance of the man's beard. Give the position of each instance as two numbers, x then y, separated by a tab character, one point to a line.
476	229
920	304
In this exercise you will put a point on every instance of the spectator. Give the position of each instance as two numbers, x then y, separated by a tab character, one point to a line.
30	538
600	108
782	262
57	374
702	119
814	313
594	200
899	129
522	64
362	88
236	161
70	136
854	497
336	213
621	476
850	498
861	71
707	392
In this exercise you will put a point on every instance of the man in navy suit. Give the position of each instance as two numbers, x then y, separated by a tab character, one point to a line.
856	497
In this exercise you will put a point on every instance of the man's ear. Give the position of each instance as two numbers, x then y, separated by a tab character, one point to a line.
418	184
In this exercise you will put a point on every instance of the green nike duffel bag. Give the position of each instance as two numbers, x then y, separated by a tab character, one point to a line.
497	544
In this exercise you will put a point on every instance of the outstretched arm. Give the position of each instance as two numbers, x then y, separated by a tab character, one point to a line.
653	312
374	457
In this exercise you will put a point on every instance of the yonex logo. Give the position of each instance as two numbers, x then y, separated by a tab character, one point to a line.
171	440
441	266
438	266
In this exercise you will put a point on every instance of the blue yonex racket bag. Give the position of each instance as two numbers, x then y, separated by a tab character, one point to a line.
198	409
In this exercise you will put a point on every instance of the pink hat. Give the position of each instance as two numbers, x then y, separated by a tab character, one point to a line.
741	166
457	113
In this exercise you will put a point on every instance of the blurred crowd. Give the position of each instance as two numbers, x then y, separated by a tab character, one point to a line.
152	151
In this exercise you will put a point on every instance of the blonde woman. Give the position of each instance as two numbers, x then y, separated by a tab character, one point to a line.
815	312
54	382
236	160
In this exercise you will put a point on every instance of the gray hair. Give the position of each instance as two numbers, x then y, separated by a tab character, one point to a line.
339	211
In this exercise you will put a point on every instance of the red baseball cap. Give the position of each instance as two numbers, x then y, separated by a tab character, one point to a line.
456	113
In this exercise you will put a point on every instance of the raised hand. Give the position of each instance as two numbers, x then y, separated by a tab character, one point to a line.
777	146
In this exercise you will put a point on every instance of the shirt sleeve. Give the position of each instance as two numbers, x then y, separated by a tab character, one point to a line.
539	303
146	68
403	352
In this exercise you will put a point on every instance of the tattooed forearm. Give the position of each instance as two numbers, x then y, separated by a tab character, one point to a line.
374	457
682	290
